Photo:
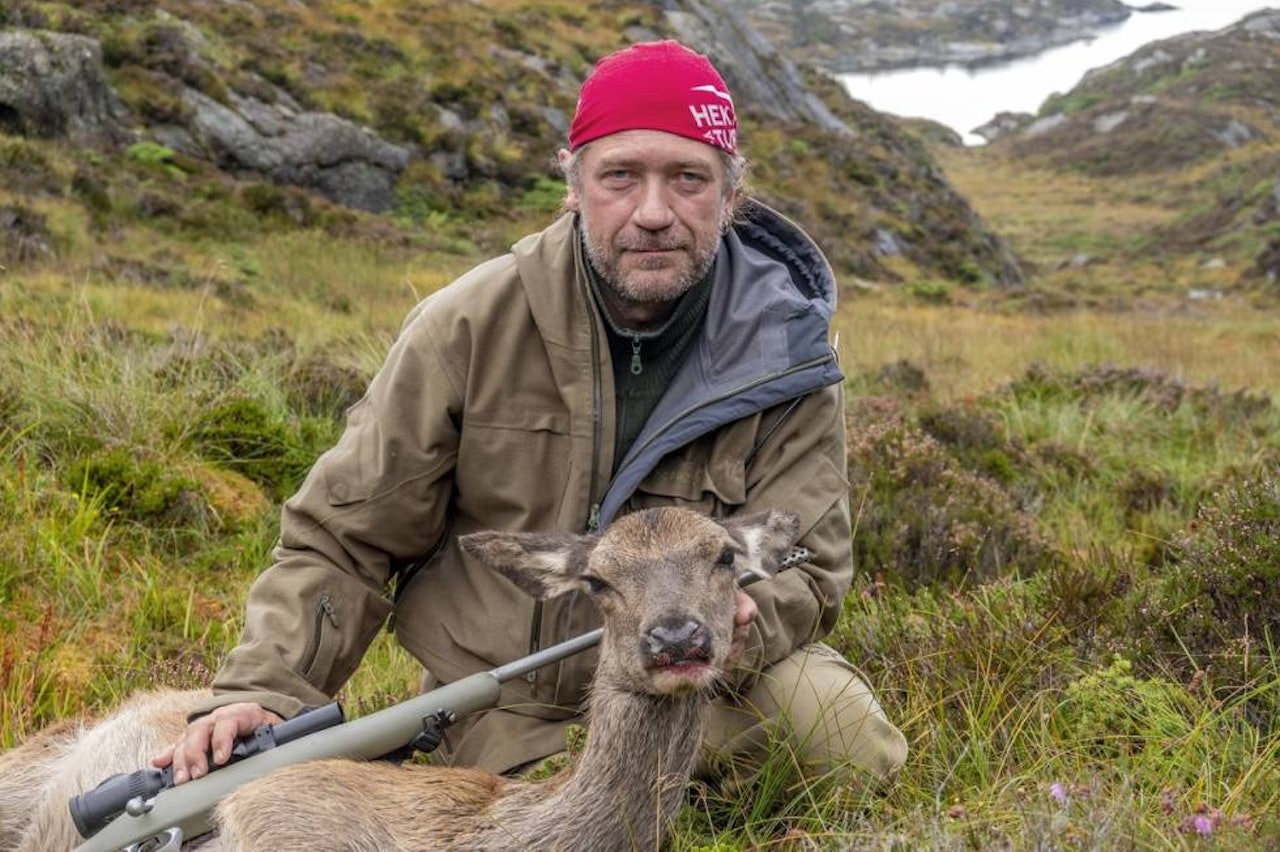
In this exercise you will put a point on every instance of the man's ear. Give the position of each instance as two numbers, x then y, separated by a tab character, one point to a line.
543	564
571	200
766	539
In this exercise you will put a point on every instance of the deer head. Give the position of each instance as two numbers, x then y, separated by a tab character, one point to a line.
664	581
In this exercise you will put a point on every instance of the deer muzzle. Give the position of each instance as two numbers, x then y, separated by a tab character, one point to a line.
676	641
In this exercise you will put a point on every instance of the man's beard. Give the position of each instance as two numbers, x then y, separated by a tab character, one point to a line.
604	260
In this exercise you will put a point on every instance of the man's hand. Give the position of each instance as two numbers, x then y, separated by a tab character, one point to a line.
214	733
743	615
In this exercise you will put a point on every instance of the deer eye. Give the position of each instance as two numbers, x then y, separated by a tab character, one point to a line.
594	584
726	558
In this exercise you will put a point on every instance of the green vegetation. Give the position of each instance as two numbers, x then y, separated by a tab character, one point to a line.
1062	598
1065	494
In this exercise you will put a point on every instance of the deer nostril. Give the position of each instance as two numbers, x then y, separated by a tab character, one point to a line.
672	641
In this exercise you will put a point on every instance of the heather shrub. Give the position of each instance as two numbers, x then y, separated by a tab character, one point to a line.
1213	608
320	386
921	517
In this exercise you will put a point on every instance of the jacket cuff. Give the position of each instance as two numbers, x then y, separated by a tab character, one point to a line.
284	706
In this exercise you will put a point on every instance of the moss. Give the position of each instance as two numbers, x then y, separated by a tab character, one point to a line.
245	436
138	489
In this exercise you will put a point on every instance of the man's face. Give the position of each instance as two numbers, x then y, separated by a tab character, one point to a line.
653	206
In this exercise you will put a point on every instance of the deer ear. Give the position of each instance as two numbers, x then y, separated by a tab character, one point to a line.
543	564
766	539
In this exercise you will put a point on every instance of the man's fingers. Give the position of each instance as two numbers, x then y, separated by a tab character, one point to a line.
225	731
214	733
189	752
164	758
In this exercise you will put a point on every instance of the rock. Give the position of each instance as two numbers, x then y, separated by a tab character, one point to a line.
760	77
1110	121
887	243
52	85
1044	125
1235	133
346	163
24	236
1002	123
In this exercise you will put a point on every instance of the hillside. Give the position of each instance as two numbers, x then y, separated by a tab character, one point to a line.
215	121
1187	129
868	35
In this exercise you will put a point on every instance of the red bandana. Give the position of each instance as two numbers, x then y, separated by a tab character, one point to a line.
658	85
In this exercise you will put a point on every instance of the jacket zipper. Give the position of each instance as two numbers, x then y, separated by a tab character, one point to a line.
597	427
324	610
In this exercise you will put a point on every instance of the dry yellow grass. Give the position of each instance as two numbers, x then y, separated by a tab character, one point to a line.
965	352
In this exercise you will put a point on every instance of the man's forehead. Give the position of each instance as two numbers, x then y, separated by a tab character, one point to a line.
651	146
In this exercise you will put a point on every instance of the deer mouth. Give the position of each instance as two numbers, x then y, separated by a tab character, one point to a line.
681	671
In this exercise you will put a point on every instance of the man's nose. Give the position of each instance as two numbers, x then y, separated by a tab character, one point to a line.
653	208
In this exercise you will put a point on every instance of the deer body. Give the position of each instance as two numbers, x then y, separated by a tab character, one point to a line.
664	581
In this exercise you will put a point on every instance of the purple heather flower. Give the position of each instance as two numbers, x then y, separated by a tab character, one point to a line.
1203	824
1058	792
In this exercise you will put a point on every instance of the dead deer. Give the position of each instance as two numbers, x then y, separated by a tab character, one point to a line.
664	582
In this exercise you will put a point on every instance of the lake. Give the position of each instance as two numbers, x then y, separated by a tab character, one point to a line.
966	98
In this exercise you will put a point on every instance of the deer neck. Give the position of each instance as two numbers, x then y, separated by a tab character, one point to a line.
629	782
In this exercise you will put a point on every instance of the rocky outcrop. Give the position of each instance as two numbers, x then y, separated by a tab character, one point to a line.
1170	104
847	36
761	77
52	85
344	162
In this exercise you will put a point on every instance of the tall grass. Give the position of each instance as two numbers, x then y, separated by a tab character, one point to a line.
1051	700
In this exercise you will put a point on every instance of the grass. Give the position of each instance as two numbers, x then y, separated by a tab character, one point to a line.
1060	531
1037	715
964	351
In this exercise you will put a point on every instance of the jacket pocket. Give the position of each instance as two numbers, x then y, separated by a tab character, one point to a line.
323	644
696	478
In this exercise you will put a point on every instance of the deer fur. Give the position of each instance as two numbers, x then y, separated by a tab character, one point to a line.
40	776
664	582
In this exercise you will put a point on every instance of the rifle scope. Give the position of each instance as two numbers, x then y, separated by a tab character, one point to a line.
93	809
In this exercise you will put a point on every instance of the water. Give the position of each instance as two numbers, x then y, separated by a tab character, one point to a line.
964	98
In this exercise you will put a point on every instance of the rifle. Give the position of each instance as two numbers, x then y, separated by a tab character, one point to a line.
140	812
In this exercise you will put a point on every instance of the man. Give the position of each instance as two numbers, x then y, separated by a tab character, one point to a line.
663	342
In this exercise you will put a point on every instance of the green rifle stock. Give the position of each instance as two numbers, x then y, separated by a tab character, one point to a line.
183	812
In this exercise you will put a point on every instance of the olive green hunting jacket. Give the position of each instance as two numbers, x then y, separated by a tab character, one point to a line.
495	410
